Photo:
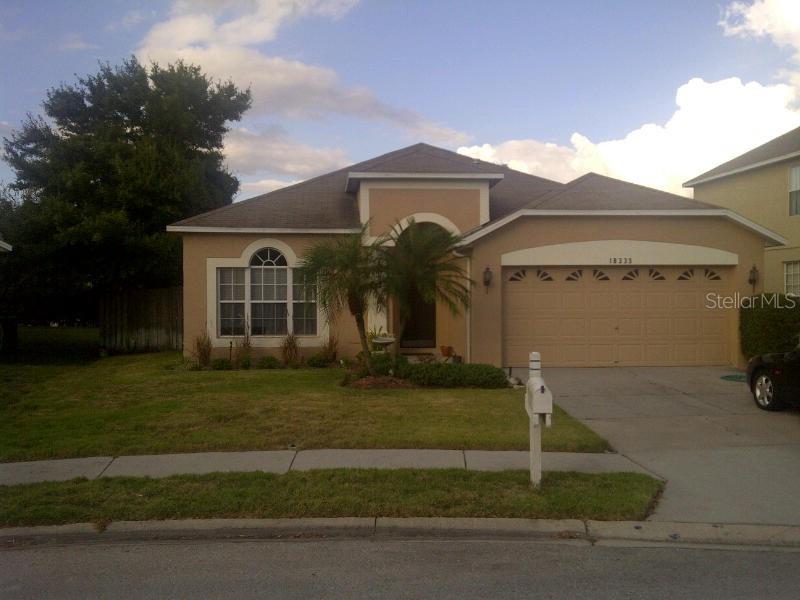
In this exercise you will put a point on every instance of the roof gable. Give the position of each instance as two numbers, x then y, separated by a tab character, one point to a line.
599	192
322	203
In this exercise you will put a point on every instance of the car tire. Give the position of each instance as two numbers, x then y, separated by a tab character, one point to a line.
766	394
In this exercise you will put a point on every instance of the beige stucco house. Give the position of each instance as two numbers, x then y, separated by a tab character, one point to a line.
596	272
763	185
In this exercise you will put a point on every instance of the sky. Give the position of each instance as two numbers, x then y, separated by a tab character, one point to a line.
650	92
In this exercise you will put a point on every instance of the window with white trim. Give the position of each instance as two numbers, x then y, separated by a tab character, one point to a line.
265	298
231	296
791	277
794	190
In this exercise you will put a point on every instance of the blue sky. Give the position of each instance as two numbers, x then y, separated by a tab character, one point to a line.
336	81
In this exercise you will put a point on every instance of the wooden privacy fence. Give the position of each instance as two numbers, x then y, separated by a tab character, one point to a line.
142	320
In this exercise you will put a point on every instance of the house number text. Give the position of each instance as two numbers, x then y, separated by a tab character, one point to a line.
620	260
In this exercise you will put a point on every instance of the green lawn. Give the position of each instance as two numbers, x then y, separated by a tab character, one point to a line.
332	493
142	404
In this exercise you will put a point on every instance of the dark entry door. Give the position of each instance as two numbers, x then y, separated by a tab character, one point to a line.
421	329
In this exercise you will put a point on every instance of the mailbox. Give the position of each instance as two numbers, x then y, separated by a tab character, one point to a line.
539	406
538	397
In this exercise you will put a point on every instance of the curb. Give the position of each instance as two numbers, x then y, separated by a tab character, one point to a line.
593	532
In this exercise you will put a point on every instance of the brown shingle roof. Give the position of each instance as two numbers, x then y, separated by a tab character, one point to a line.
322	203
788	143
598	192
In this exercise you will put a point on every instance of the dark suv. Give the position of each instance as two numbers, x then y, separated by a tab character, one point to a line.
774	380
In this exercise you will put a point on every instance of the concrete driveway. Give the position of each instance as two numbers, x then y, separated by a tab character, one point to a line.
725	460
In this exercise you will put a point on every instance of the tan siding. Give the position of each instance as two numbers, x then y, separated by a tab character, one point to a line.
387	206
761	195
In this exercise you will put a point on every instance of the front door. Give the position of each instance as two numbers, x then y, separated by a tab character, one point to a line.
421	329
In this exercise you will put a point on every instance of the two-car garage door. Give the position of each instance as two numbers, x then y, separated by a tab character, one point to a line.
615	316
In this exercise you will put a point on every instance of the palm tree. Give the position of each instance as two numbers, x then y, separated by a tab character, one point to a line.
347	273
420	261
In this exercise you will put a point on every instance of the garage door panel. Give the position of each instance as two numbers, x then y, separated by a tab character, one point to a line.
652	317
546	327
572	301
602	327
631	354
572	328
630	300
631	326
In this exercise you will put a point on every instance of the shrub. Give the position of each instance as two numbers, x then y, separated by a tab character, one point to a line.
221	364
320	360
202	349
244	349
290	351
768	328
269	362
455	375
383	363
326	356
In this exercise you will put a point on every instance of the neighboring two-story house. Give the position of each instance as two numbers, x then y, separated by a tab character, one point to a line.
764	186
595	272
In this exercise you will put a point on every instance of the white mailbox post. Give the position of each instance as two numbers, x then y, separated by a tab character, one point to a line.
539	406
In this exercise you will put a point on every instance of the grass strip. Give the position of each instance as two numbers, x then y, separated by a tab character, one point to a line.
332	493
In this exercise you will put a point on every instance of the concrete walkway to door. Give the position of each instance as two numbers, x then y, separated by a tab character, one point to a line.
725	460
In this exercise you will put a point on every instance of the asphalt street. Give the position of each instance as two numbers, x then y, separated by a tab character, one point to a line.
374	568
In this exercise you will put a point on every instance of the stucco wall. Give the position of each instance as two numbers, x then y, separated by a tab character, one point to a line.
390	203
485	315
198	247
761	195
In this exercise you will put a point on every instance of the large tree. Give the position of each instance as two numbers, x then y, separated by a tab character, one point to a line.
118	156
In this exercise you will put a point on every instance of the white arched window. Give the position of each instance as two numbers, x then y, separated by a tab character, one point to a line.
265	297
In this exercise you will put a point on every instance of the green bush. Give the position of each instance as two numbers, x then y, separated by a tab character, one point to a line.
383	362
221	364
269	362
244	362
455	375
767	328
320	360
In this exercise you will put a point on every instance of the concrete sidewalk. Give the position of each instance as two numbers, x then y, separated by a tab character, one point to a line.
283	461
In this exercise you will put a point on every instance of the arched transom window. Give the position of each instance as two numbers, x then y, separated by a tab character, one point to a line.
266	297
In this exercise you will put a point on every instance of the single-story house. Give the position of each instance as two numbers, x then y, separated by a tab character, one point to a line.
595	272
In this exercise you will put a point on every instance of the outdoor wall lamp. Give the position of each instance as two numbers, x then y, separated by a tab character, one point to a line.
753	278
487	278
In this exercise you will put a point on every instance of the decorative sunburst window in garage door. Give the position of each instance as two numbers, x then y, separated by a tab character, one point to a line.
712	275
655	275
543	275
687	275
631	275
518	275
599	275
576	275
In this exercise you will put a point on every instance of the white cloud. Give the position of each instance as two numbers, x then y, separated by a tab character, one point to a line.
249	189
222	38
74	42
776	20
714	122
273	151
